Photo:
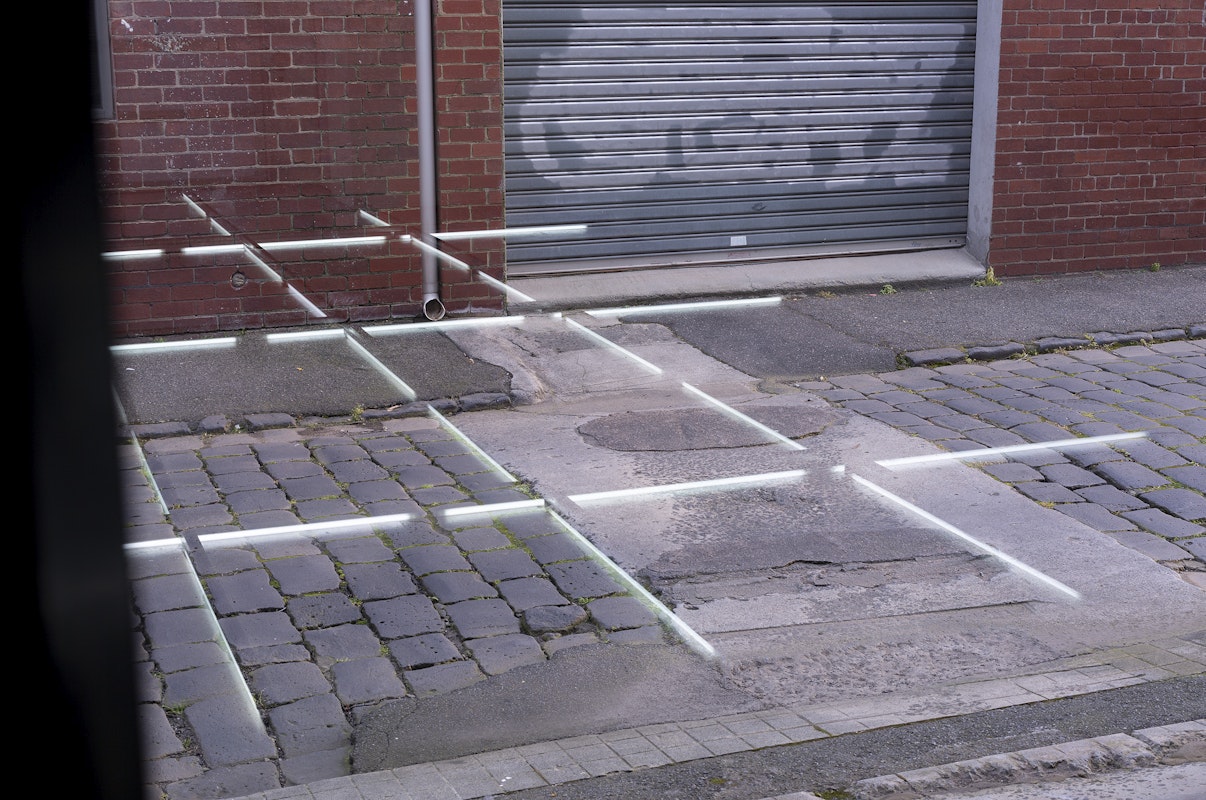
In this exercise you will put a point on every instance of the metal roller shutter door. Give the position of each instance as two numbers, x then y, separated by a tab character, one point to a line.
705	131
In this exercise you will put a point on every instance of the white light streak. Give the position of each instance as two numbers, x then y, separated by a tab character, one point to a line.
438	253
419	327
195	206
514	293
305	303
189	344
728	409
293	336
385	371
345	241
707	305
372	220
669	488
989	453
603	340
131	255
512	233
951	529
259	262
493	508
155	544
685	632
482	454
212	249
313	530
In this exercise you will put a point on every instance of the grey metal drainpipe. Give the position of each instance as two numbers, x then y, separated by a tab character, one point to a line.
433	308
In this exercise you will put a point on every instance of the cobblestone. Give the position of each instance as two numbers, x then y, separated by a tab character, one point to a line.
1147	493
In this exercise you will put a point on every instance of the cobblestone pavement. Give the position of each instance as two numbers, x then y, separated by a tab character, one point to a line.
307	626
1148	493
259	654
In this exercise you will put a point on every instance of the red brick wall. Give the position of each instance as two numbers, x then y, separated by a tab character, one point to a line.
1101	137
283	118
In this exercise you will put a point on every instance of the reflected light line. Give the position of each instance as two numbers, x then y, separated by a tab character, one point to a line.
728	409
438	253
130	255
371	219
210	249
389	375
310	529
603	340
514	293
292	336
345	241
991	452
145	465
492	508
413	327
195	206
703	305
684	631
951	529
273	275
305	303
188	344
503	233
668	488
205	215
479	452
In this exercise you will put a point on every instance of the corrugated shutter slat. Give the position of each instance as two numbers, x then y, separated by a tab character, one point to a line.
722	130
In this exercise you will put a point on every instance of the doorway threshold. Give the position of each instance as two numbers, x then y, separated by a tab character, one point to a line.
740	279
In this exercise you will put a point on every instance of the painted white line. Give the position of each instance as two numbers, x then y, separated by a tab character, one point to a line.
685	632
419	327
732	412
385	371
512	292
992	452
492	508
345	241
504	233
292	336
708	305
603	340
669	488
191	344
130	255
951	529
480	453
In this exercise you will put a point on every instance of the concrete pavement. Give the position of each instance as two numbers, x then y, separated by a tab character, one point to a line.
816	591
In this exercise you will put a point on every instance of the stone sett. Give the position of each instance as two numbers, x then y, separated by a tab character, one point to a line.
481	618
423	651
399	617
304	574
498	654
378	580
366	680
454	587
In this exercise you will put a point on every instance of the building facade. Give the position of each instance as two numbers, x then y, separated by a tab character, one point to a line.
1044	136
